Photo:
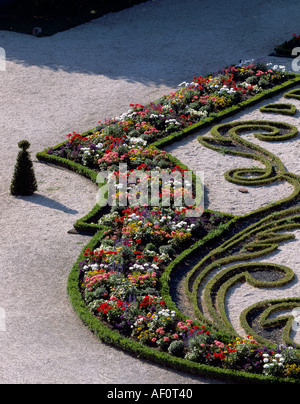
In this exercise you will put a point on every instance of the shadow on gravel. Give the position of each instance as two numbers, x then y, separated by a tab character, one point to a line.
49	203
161	42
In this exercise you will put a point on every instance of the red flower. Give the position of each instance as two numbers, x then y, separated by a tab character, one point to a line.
104	308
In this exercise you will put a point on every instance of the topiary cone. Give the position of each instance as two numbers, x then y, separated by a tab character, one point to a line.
23	181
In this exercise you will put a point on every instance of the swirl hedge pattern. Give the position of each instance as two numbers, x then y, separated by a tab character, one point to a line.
120	284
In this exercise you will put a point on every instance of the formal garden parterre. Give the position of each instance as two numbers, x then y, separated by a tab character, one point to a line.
120	284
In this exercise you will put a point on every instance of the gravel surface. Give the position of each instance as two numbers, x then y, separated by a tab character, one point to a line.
55	85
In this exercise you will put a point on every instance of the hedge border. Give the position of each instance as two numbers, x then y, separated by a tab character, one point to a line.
293	94
112	337
228	277
83	224
270	239
143	352
272	306
279	108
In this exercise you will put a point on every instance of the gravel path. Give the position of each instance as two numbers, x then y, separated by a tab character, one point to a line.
65	83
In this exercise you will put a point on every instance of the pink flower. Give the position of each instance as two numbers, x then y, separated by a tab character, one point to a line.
166	339
160	330
175	336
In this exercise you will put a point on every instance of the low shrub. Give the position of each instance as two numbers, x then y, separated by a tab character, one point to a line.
121	290
285	49
23	181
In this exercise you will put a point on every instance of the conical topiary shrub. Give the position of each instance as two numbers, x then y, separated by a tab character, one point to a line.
24	181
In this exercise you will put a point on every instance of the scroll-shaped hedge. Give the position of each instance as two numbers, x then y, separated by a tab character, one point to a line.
227	138
293	94
279	108
264	310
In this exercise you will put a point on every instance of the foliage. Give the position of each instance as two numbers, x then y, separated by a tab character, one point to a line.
285	49
123	275
23	181
127	138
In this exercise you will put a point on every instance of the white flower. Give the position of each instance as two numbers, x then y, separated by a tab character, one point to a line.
172	122
227	90
138	140
185	84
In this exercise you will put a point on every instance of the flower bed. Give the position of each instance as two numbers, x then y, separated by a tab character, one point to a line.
130	302
124	139
119	286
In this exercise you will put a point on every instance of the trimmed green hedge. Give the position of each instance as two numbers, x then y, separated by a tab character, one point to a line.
270	307
279	108
86	224
254	241
293	94
266	229
112	337
264	233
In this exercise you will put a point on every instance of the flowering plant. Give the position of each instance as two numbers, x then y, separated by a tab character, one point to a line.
120	278
113	140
